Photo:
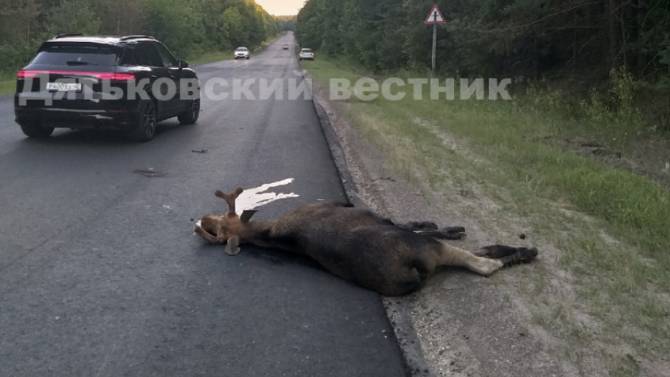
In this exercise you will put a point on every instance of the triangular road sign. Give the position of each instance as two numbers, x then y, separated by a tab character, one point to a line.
435	16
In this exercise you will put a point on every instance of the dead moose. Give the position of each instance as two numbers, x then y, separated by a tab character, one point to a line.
358	245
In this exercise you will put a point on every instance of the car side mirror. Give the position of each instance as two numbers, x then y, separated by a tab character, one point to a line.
183	64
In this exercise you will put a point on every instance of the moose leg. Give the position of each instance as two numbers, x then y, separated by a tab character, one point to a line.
450	233
429	229
509	255
455	256
416	226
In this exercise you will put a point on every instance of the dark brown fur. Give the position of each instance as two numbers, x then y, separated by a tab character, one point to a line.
358	245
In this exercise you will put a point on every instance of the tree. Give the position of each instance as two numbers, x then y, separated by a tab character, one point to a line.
233	25
174	22
73	16
533	38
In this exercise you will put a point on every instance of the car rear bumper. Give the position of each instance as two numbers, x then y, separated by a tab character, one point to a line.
78	114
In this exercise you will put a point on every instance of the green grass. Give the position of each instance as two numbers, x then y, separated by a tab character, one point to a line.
512	150
7	84
211	57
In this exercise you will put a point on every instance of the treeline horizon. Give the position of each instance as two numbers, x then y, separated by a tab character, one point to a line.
187	27
529	38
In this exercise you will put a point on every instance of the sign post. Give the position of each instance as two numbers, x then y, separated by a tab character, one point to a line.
435	18
434	56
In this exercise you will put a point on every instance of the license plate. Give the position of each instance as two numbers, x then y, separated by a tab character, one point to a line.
64	86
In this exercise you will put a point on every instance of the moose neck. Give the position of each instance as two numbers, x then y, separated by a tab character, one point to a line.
256	228
255	232
263	234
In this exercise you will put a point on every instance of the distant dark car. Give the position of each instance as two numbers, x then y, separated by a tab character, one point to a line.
88	82
285	47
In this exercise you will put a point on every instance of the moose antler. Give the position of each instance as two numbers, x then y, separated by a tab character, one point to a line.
230	199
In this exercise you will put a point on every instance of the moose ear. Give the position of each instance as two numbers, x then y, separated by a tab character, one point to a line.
233	246
247	214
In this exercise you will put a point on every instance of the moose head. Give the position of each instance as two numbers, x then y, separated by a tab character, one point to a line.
229	228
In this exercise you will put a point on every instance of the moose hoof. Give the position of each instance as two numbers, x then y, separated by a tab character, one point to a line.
526	255
233	251
509	255
454	232
497	251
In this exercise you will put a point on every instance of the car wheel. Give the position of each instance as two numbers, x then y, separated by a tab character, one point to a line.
35	129
145	125
191	115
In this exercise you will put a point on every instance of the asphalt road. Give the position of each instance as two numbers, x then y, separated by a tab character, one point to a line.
100	274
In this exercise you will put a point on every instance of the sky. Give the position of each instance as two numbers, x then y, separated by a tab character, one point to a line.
281	7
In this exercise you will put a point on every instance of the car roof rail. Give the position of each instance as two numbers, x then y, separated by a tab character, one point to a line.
138	36
64	35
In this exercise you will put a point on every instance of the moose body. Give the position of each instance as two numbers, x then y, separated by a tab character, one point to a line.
358	245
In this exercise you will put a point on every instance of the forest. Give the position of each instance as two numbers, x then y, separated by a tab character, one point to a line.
188	27
536	39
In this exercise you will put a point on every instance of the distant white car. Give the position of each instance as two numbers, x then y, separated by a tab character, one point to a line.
306	54
242	53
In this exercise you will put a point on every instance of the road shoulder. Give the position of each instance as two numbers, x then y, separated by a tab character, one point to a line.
459	324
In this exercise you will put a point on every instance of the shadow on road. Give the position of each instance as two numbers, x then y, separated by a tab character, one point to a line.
106	136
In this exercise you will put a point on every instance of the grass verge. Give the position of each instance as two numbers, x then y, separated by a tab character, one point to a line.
7	84
211	57
609	226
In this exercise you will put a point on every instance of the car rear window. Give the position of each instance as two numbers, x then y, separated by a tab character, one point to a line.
79	54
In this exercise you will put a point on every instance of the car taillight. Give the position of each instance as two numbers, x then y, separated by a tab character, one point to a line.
25	73
112	76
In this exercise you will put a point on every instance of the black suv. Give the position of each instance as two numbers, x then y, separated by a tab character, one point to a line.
129	83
